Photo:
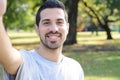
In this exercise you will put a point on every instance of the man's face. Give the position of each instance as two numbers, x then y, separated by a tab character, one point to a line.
53	28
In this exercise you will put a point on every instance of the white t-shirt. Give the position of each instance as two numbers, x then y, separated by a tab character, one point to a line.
35	67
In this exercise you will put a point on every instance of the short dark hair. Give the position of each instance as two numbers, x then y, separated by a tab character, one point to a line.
51	4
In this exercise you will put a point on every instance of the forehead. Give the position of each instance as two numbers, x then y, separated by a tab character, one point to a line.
52	14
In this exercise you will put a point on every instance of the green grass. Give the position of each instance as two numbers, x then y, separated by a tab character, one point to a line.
97	65
86	38
1	73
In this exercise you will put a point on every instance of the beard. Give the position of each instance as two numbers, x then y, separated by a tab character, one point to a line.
52	45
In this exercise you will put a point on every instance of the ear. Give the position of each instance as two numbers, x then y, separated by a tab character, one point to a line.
37	30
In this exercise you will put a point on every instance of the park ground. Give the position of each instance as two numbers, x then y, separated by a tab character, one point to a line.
99	57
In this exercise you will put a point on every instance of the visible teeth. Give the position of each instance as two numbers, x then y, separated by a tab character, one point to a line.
55	35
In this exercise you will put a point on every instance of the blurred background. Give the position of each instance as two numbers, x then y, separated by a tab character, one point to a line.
94	35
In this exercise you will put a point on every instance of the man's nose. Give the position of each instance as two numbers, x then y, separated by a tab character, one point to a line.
54	28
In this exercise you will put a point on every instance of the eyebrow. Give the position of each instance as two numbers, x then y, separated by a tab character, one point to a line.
45	20
60	19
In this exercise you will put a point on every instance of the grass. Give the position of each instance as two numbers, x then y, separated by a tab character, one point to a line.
86	38
1	71
97	65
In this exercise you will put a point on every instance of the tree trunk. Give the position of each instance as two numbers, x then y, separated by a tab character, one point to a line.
108	32
72	16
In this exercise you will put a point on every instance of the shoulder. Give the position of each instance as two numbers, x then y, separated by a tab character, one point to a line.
75	66
72	62
26	52
28	59
23	51
27	55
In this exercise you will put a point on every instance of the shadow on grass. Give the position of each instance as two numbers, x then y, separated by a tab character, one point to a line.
87	48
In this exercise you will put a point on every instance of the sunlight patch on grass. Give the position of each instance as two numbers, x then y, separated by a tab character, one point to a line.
22	34
86	38
23	37
100	78
25	40
115	42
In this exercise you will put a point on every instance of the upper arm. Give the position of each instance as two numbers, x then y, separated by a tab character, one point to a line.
10	58
12	63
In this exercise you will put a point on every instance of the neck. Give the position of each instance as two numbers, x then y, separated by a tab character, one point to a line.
54	55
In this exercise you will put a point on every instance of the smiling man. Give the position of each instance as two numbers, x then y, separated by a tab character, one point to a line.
52	28
47	61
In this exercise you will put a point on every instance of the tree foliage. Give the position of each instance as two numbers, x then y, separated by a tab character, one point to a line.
20	14
72	8
101	12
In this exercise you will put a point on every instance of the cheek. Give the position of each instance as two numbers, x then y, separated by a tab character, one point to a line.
42	32
64	32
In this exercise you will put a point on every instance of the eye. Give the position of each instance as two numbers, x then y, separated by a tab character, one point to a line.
60	22
46	23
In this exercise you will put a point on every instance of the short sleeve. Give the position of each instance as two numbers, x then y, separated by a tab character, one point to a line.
23	69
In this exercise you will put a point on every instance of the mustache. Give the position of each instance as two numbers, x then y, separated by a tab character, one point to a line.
53	33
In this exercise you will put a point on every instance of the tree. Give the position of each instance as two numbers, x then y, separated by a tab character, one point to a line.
72	16
19	14
72	7
103	12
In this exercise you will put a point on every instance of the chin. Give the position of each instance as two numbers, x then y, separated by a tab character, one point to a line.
54	46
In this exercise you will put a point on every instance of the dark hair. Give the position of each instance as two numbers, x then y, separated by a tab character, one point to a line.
51	4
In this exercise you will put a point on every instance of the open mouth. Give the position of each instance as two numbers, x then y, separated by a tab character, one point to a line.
53	37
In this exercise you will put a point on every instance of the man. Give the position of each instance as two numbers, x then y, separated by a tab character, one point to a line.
47	62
